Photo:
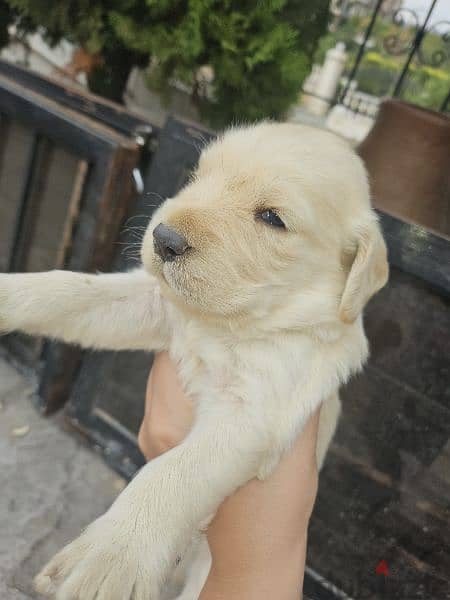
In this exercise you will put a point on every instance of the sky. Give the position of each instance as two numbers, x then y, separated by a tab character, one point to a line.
441	11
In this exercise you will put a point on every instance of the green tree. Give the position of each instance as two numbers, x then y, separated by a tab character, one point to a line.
6	17
260	50
86	24
10	16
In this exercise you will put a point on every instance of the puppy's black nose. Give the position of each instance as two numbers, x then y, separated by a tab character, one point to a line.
168	243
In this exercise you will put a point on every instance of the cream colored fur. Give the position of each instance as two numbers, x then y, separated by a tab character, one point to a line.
264	324
191	573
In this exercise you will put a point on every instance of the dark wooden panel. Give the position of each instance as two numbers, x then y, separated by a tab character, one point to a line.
15	145
416	250
82	240
384	492
107	198
408	325
108	408
75	132
45	213
109	113
120	393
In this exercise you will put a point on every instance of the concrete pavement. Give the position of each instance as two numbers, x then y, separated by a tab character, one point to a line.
51	486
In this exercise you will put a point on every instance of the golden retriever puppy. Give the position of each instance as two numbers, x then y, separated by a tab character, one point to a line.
254	279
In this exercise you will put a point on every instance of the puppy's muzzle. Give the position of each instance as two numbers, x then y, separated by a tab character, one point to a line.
168	243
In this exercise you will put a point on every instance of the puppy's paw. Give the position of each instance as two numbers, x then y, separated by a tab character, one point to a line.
106	562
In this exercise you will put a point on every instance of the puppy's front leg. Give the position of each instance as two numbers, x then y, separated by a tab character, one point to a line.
117	311
131	550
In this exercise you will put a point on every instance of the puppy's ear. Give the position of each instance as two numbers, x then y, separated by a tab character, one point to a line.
368	272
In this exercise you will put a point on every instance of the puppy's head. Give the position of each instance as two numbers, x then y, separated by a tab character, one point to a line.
276	224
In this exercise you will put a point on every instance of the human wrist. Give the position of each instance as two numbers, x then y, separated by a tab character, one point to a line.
253	558
280	578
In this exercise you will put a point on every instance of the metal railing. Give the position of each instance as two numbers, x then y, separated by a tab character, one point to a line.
406	39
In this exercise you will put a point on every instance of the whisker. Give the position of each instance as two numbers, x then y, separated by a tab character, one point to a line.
131	253
134	231
128	221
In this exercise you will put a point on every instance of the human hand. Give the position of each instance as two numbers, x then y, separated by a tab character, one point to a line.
169	413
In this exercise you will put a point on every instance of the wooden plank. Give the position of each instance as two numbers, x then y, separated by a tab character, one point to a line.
15	143
107	197
104	111
418	251
408	326
65	127
72	215
102	197
94	407
383	493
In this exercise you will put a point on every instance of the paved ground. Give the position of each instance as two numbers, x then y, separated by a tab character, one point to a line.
50	486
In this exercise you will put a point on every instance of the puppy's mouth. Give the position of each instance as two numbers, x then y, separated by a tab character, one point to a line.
172	271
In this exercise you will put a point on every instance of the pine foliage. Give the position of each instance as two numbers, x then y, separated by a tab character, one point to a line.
260	50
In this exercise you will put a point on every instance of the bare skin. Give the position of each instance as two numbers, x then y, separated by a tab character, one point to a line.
258	537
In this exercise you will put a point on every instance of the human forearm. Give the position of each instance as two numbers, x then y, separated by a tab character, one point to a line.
258	537
280	577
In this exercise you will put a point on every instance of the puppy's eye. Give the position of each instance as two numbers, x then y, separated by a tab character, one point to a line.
271	218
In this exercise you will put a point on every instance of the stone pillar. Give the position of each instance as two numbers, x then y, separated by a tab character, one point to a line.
328	82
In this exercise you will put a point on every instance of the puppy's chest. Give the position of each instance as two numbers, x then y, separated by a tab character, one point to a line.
204	365
228	369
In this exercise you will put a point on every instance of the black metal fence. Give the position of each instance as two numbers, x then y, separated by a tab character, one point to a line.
404	40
